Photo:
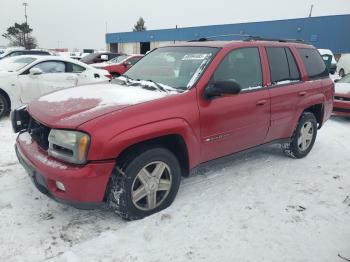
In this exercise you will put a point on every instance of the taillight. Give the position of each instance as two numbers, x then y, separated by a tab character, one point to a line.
109	76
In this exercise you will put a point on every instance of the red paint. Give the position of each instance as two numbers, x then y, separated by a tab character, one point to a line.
121	68
209	128
342	104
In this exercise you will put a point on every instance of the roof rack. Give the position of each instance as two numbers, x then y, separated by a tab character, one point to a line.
258	38
249	38
212	38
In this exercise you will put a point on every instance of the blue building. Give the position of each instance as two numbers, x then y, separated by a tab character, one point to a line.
329	32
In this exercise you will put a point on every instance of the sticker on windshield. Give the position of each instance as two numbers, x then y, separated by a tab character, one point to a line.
195	57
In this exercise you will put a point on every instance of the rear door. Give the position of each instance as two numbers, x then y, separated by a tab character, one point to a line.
233	123
286	89
54	77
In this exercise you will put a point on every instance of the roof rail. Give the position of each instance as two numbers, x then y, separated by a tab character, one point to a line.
211	38
249	38
258	38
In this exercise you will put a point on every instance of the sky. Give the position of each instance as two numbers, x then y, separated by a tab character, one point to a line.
83	23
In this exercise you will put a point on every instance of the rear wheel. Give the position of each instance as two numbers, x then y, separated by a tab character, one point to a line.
303	138
4	107
341	73
144	182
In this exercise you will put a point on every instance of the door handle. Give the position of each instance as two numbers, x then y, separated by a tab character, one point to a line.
70	78
261	102
302	93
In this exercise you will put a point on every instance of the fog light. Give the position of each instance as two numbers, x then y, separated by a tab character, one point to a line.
60	186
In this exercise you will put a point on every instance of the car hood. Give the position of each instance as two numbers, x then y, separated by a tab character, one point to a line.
72	107
342	88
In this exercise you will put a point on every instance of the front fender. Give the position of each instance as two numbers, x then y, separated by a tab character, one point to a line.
176	126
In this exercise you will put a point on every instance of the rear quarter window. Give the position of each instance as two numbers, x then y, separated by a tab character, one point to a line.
313	62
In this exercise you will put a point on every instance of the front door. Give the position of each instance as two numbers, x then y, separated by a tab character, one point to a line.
233	123
53	77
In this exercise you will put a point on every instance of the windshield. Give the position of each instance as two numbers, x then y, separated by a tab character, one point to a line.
118	59
345	79
15	63
176	67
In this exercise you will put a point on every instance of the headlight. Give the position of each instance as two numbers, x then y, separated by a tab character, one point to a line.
69	146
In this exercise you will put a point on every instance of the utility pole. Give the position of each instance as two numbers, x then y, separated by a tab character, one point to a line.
312	7
26	17
25	12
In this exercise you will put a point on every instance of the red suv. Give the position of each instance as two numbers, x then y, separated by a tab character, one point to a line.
128	143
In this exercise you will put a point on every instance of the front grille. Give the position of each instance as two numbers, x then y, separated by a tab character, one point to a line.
341	110
342	98
39	132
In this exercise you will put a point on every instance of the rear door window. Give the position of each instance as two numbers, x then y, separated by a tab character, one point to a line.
293	68
51	67
283	68
242	65
313	62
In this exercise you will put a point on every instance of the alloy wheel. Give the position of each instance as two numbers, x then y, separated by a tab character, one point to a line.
151	186
306	136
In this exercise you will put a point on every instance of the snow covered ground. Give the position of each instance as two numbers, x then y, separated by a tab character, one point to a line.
261	206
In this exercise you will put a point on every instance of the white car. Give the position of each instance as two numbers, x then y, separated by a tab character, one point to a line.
333	67
25	78
343	67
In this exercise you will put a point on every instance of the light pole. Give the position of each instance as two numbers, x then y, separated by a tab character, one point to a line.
311	9
25	11
26	17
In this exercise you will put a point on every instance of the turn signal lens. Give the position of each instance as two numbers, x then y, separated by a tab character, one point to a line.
83	144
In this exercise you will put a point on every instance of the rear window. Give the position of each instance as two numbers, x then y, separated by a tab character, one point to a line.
282	65
313	62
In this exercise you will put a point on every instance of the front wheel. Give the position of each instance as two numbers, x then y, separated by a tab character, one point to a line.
303	138
144	182
4	107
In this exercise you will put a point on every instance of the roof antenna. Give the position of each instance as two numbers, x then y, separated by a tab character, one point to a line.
311	9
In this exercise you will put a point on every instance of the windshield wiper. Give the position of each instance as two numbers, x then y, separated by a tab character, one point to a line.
158	86
125	81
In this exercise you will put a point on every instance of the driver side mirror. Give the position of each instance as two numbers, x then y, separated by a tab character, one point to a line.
222	88
35	71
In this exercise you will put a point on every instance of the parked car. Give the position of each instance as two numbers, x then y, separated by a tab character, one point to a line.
333	66
98	57
127	144
11	53
342	96
119	65
343	66
25	78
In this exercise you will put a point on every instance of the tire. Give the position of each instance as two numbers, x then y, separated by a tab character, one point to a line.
341	73
303	138
4	107
134	193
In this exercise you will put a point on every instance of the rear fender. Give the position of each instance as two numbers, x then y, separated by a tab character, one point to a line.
306	103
